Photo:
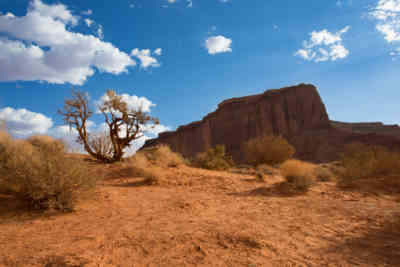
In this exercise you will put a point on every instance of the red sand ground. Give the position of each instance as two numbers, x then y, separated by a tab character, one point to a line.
209	218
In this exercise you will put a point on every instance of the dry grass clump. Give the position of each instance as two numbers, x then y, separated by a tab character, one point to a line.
163	156
38	172
363	161
298	173
268	149
214	159
141	166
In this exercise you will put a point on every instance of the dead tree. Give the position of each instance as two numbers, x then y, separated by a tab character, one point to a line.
124	125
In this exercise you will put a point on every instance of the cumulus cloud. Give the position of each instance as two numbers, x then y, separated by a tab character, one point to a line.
158	51
41	48
323	46
218	44
22	122
387	14
146	60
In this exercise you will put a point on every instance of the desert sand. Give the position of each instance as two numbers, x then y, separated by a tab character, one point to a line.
209	218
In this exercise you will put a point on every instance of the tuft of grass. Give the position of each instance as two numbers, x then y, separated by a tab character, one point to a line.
298	173
214	159
38	172
268	149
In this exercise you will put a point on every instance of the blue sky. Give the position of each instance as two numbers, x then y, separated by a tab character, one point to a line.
181	58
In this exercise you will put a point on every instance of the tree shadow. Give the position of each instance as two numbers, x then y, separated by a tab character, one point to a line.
282	189
379	246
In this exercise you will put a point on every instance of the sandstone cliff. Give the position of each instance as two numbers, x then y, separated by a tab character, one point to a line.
296	112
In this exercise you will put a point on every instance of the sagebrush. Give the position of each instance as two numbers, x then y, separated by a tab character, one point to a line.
298	173
268	149
37	172
214	159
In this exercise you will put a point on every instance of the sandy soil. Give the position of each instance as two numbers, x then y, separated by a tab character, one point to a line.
209	218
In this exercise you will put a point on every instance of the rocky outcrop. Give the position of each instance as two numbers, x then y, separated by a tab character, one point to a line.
368	127
296	112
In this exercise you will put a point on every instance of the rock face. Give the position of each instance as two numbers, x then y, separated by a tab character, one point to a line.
296	112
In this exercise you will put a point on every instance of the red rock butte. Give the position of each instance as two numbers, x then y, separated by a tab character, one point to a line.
297	113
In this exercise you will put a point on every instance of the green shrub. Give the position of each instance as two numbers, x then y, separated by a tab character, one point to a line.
214	159
298	173
268	149
38	172
363	161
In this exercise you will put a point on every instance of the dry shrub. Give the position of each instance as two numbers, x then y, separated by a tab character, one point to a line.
143	167
38	172
214	159
363	161
268	149
298	173
163	156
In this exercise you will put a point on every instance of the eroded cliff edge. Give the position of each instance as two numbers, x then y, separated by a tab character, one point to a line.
295	112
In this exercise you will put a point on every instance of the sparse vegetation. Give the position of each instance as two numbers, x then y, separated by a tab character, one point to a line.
298	173
268	149
124	125
214	159
38	172
363	161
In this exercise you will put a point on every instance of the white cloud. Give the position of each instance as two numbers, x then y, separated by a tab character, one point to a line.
88	22
387	13
218	44
323	46
158	51
146	60
172	1
22	122
56	11
72	56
